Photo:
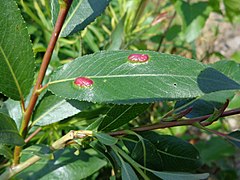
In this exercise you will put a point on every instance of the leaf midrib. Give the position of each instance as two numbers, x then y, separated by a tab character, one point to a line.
176	156
122	76
12	73
48	112
120	115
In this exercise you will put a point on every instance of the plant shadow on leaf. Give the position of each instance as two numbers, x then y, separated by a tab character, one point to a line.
211	80
66	164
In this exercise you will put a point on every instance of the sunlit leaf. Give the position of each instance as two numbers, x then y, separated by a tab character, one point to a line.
81	13
16	56
65	165
119	115
53	109
117	80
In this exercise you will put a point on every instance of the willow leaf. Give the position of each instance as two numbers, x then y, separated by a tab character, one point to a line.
81	13
112	78
16	56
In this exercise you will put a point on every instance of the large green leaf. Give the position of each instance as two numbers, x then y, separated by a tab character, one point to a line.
117	80
53	109
81	13
207	103
119	115
65	165
16	56
164	153
8	131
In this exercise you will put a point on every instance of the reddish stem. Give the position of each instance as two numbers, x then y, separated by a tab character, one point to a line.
46	59
162	125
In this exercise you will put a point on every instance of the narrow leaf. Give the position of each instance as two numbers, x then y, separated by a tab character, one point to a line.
16	56
8	131
117	35
112	77
180	176
14	111
81	13
119	115
5	151
65	165
53	109
127	172
106	139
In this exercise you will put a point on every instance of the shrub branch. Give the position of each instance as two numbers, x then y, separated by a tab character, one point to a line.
45	62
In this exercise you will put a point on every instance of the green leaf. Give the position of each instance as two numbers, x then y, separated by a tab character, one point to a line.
81	13
229	68
14	111
16	56
117	36
215	149
65	165
6	151
116	80
119	115
53	109
127	173
106	139
209	102
165	153
235	138
232	8
8	131
180	176
40	150
194	16
147	154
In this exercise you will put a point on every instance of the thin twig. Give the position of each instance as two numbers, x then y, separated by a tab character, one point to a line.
162	125
59	144
165	32
33	134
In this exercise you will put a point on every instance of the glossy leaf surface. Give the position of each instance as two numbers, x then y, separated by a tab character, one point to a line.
116	80
119	115
16	56
164	153
65	165
207	103
53	109
81	13
9	132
